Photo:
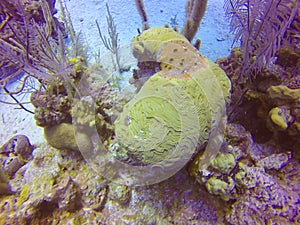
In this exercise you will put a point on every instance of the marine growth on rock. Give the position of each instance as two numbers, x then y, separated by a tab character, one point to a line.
176	110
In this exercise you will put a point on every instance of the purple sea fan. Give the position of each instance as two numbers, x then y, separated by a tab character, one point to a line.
260	25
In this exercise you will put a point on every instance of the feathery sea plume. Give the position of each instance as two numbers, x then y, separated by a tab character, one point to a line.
32	42
261	26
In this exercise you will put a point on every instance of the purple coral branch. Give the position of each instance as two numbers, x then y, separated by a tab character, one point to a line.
261	27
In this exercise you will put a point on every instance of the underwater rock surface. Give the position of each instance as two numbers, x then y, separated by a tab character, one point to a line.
259	183
59	187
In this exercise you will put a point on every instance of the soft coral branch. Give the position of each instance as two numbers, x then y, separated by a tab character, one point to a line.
261	27
32	41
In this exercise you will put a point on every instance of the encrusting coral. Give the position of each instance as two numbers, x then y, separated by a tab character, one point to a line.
257	180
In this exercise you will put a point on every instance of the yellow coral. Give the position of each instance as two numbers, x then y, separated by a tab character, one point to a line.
175	104
277	118
153	38
23	195
224	162
284	93
280	117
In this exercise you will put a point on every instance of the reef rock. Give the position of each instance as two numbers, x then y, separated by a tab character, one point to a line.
15	153
257	180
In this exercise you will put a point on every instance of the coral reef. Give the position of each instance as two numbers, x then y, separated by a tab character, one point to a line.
158	116
100	110
59	187
29	40
33	44
261	187
272	100
267	196
53	102
179	107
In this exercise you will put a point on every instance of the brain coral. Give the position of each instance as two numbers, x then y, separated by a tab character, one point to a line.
177	108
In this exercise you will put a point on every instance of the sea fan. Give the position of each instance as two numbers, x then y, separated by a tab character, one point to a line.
260	25
32	42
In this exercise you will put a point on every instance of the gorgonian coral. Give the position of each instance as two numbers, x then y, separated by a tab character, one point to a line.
261	27
32	41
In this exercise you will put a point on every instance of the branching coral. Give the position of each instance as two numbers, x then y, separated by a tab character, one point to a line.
261	26
195	10
77	47
26	42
